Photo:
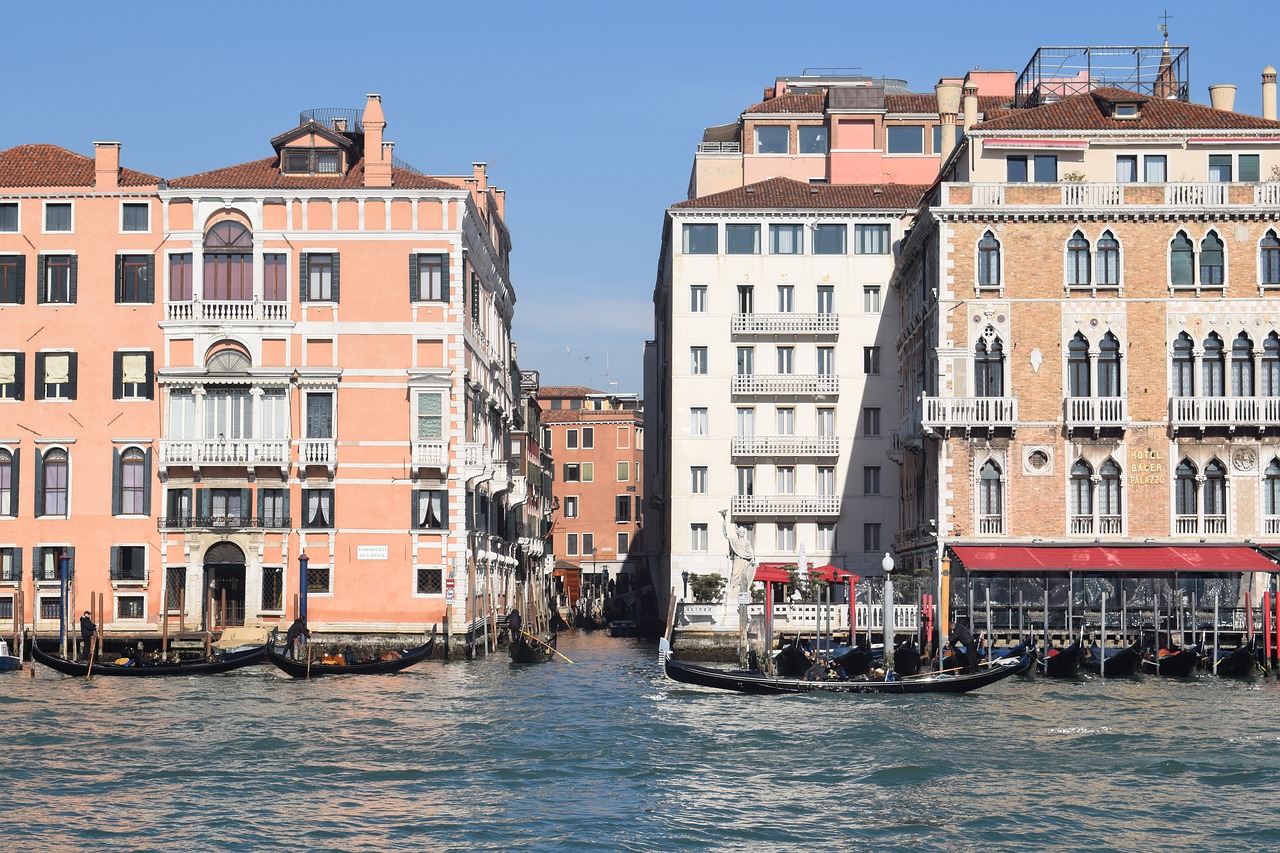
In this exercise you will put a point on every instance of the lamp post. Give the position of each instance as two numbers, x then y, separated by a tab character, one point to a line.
887	565
303	559
685	576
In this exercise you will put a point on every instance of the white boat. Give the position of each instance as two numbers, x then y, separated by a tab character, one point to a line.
7	661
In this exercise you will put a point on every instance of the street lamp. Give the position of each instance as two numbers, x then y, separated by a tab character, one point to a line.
887	565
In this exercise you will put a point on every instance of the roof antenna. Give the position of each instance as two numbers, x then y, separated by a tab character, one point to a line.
567	351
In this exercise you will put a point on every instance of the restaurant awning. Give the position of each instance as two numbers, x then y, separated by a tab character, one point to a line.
773	572
832	573
1107	558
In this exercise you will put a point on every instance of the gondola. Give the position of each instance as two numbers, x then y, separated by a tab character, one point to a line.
527	648
1062	663
1176	663
756	682
136	668
793	660
8	662
1121	663
300	668
1237	663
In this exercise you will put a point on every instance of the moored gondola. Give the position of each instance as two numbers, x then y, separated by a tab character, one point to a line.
1120	663
1237	663
1062	663
141	668
1176	663
301	669
756	682
526	648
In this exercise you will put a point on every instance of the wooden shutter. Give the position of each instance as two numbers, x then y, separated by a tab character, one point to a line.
115	562
71	562
151	281
40	288
71	287
302	277
71	373
413	277
115	480
117	375
146	482
39	492
15	478
204	501
151	376
20	369
119	281
337	266
287	519
246	505
22	279
413	507
444	277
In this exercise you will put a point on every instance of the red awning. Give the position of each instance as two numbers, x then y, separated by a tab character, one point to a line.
828	573
773	572
1103	558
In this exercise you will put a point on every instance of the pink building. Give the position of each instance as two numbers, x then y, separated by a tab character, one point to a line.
309	353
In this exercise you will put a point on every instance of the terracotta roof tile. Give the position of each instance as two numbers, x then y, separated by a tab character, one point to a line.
548	392
54	166
791	103
788	193
1089	111
928	103
265	174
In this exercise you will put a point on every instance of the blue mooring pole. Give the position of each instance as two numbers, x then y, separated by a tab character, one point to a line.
64	575
302	584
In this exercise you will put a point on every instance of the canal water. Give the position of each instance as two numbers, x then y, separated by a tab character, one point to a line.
603	754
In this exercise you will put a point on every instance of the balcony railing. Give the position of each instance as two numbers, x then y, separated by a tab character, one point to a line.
11	575
431	454
1096	412
251	451
317	451
1271	525
991	525
1103	525
223	522
806	505
222	311
1209	525
788	384
1092	195
719	147
1196	195
786	324
786	445
1230	412
1108	194
948	413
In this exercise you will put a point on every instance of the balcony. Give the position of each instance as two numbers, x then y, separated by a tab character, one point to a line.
1104	195
1104	525
224	522
787	384
719	147
786	324
945	414
318	451
1096	413
431	454
1231	413
786	445
234	452
991	525
1271	525
792	505
1208	525
519	491
223	311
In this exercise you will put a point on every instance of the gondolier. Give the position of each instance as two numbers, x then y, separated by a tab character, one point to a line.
87	630
297	631
961	639
514	622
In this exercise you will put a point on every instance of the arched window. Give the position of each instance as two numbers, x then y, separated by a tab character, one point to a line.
1242	366
1182	260
1183	366
990	499
8	494
1215	497
53	487
1077	261
1108	261
1213	367
1269	258
1109	366
988	367
1271	366
988	261
1271	485
1081	497
1185	491
1211	269
1078	384
228	263
1110	514
131	483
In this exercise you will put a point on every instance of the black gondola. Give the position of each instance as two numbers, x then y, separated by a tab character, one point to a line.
1176	663
1121	663
140	668
527	648
1062	663
1237	663
756	682
300	668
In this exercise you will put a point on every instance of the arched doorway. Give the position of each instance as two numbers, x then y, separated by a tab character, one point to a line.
224	570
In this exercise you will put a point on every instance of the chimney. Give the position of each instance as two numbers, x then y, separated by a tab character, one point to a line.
377	159
970	104
106	166
482	179
340	125
1269	92
948	94
1222	97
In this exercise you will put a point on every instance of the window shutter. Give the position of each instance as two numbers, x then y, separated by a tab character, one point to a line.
286	507
115	562
151	281
413	278
39	493
204	502
71	562
246	501
17	563
444	277
302	277
332	508
71	289
21	377
337	268
115	481
40	288
71	373
416	494
146	482
22	278
15	479
35	563
117	376
444	510
119	282
151	376
262	499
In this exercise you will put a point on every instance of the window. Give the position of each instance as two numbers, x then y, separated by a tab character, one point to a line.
1081	498
746	361
1107	261
1211	263
786	537
746	480
1078	380
700	239
1186	501
990	499
319	580
310	161
813	140
624	438
571	506
588	437
273	507
871	479
57	216
1215	497
1109	366
273	589
8	482
871	239
1015	169
1220	168
786	298
1183	366
1154	168
12	279
905	139
52	483
1242	366
571	439
826	361
786	239
871	537
135	216
1213	367
56	375
1126	168
1270	378
131	607
57	274
1043	168
588	472
1271	488
624	543
746	299
317	507
1268	259
785	480
622	509
988	261
746	420
698	299
1182	260
697	537
786	360
8	217
428	278
430	416
826	537
698	480
988	367
742	239
1249	167
871	361
572	473
1109	507
624	472
870	422
827	298
571	544
128	563
134	277
132	376
829	239
871	299
12	375
698	421
698	360
773	139
1046	168
131	494
431	509
588	544
180	283
319	272
786	417
1078	261
955	131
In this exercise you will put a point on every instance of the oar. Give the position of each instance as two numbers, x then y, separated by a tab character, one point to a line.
308	660
542	642
93	647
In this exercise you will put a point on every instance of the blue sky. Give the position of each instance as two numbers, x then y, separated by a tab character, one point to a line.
587	113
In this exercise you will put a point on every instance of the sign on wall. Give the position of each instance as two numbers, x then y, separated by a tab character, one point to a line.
371	552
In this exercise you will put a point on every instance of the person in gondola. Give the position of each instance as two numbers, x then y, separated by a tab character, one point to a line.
817	672
298	632
514	623
961	639
87	631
